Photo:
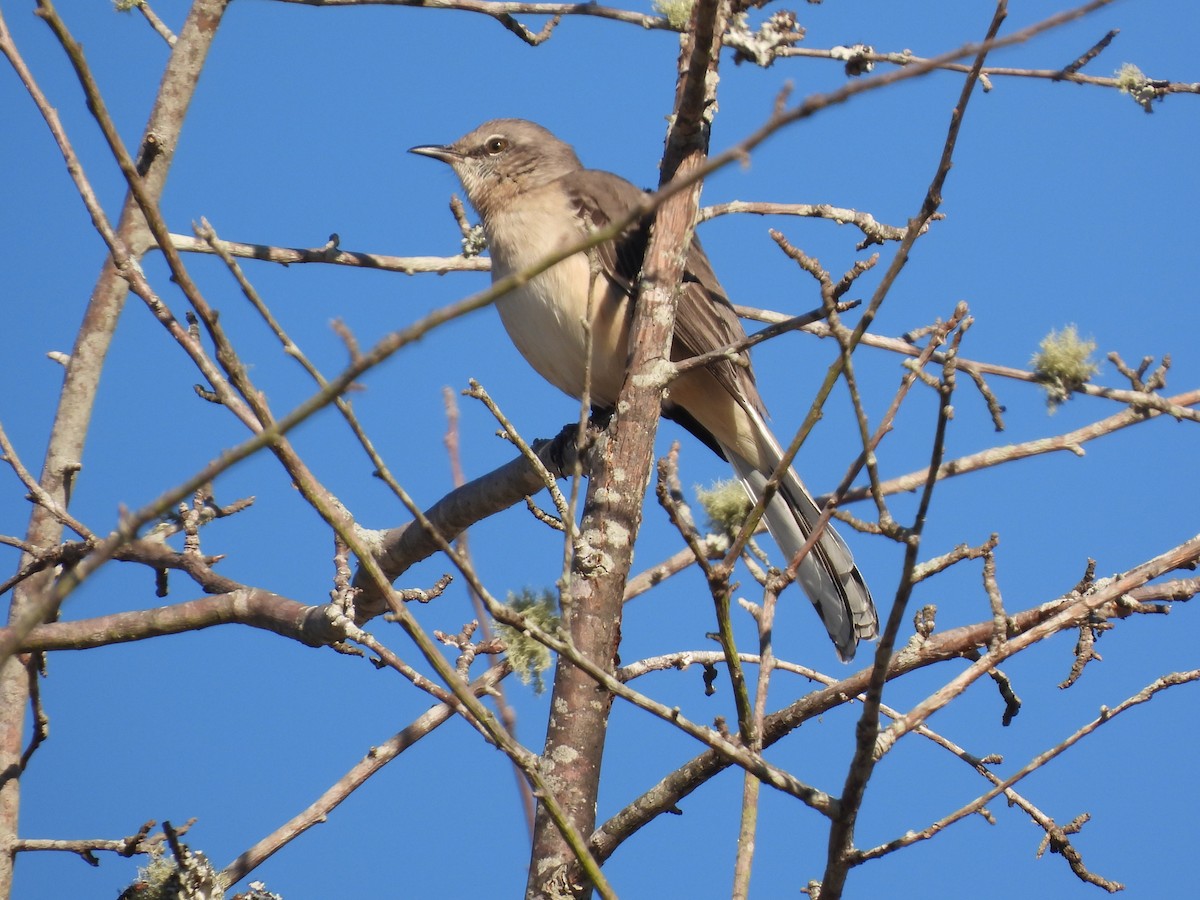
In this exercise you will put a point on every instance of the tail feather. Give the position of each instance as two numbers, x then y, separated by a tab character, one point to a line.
827	574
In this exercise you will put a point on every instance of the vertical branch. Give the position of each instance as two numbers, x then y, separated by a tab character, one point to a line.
507	714
764	617
72	418
592	601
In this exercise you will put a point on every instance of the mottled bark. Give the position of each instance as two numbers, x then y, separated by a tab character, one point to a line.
621	466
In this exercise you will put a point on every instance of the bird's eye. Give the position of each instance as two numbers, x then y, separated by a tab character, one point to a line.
495	144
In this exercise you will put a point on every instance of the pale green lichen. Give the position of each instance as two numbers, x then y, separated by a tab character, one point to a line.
162	878
529	659
1063	364
677	12
1133	81
762	46
726	505
1129	77
474	242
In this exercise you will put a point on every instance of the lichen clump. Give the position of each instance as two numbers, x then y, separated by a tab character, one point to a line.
529	659
1133	81
726	505
677	12
1063	364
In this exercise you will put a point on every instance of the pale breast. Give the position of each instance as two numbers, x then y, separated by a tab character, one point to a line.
545	318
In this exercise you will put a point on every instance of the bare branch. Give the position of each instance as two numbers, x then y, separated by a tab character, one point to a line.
376	758
504	10
1106	715
287	256
873	232
141	842
257	608
1030	625
1072	611
1072	442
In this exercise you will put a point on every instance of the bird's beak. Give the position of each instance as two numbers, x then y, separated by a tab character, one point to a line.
446	154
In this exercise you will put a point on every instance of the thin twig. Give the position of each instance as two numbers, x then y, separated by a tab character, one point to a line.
376	758
863	762
1106	715
287	256
159	26
1071	441
505	710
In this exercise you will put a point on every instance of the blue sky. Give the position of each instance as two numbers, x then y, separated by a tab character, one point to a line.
1066	204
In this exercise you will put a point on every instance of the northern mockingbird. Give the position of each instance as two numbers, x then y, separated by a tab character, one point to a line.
534	197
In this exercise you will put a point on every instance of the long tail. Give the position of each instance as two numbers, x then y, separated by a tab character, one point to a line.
827	574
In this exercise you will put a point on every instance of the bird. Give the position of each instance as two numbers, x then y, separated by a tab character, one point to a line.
534	197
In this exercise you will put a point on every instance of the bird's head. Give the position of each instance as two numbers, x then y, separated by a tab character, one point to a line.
503	158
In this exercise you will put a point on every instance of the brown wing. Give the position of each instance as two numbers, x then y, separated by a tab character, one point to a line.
704	320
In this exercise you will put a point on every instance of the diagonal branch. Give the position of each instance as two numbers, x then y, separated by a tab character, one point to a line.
841	834
1034	624
32	603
